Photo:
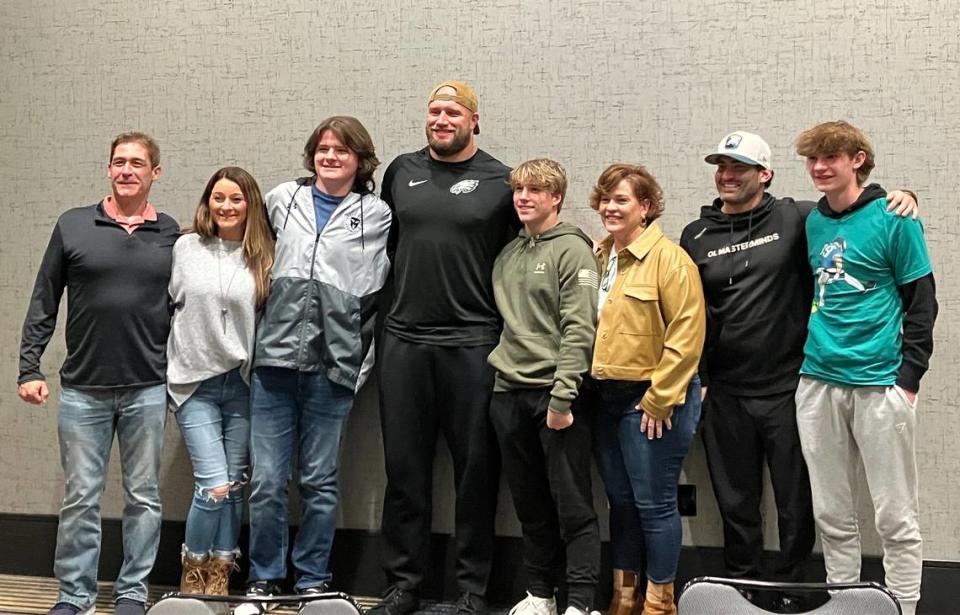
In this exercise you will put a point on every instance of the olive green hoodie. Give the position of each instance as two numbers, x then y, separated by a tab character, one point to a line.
546	290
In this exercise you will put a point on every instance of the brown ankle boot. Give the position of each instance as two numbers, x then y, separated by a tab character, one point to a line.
624	600
218	575
193	579
659	599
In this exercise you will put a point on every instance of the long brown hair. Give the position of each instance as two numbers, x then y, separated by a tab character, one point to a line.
258	237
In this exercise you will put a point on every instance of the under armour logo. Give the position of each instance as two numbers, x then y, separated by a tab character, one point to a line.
540	268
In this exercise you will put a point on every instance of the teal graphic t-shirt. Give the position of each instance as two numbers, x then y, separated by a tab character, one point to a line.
858	261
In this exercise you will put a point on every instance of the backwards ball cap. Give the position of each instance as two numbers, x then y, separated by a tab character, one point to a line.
462	94
744	147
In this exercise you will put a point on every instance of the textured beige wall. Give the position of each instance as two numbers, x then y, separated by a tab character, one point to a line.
591	82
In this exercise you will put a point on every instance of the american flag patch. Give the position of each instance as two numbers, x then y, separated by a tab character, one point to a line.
588	277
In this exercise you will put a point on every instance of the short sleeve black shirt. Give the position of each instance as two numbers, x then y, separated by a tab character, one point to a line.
450	220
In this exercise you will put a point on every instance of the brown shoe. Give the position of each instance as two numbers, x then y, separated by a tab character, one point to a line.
659	599
218	575
193	579
624	600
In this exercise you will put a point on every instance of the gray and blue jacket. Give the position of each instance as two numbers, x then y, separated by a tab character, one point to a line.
322	305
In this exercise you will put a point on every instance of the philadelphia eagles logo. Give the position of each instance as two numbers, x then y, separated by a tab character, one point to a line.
465	186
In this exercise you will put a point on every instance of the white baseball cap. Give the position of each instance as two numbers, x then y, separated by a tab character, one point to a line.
743	146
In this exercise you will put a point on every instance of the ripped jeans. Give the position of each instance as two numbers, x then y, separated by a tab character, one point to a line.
215	423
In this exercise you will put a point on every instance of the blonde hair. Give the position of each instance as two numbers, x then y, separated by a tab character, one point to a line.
258	239
541	173
837	138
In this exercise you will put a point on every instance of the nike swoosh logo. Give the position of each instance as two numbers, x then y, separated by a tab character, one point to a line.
412	183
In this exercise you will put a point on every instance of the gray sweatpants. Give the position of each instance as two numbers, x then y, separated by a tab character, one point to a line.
877	424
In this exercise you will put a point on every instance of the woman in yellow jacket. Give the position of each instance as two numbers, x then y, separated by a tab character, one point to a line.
644	379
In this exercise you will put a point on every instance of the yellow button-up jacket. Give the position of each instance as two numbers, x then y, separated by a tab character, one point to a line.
653	321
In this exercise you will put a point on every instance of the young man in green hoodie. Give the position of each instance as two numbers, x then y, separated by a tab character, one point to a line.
545	285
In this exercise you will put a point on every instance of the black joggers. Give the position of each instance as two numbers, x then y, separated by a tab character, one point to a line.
426	389
548	472
739	433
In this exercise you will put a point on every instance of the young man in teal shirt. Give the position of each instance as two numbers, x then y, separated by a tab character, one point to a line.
870	336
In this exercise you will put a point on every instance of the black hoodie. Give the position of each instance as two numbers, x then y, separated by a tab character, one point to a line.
758	290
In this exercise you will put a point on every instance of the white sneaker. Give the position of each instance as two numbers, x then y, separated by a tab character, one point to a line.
572	610
531	605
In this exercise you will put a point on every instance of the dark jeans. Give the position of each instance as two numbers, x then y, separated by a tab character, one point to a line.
641	477
548	472
305	412
424	390
738	434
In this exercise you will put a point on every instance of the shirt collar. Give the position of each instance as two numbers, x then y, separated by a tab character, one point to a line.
640	246
147	213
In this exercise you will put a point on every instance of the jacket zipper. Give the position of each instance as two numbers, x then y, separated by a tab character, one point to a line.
306	303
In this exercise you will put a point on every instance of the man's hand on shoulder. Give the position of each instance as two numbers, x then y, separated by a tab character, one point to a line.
904	203
34	391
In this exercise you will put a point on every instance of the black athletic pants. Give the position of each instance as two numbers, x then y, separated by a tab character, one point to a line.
424	390
738	434
548	472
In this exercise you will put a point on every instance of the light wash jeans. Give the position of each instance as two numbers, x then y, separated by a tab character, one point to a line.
215	423
641	478
87	422
294	410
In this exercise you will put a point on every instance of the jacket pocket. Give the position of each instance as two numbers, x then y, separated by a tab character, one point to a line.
640	311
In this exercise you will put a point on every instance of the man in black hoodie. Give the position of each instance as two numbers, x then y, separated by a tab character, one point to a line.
750	248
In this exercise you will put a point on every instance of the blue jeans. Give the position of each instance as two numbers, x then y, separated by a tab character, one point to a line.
641	478
292	409
215	423
87	422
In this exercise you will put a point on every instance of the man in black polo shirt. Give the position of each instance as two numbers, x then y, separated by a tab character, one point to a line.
452	213
114	258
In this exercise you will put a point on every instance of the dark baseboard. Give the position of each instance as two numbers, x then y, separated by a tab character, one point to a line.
27	544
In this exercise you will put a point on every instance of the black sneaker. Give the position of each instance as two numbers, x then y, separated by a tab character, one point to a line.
321	588
258	589
397	602
471	604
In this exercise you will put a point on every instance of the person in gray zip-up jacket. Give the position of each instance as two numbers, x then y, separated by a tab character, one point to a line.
314	349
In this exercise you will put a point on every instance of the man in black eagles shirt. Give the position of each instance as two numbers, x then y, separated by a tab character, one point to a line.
750	248
452	213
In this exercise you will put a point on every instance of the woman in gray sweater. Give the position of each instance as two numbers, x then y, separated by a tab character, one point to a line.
219	282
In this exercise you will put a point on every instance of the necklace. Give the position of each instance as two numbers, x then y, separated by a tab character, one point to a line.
224	293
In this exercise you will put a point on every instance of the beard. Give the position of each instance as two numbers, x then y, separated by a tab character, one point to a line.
456	145
742	197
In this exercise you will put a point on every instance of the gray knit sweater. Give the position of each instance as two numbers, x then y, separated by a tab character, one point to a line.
214	319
